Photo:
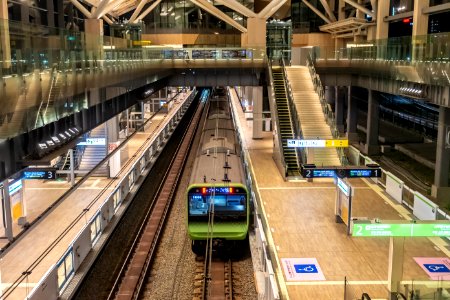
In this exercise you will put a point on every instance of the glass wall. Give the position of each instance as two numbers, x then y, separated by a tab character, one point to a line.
279	37
175	16
304	20
400	6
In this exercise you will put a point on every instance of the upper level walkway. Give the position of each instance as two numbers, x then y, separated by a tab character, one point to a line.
46	85
423	61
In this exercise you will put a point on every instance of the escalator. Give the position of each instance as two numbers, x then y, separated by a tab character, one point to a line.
284	119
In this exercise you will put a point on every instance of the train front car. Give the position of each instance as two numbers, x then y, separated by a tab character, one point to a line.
218	200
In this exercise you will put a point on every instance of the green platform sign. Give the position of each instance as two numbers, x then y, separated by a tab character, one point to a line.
405	230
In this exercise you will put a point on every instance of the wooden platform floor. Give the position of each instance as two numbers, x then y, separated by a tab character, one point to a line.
38	240
302	224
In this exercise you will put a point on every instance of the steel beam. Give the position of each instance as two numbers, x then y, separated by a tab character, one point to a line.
314	9
360	7
328	10
81	8
219	14
147	11
238	7
137	10
273	9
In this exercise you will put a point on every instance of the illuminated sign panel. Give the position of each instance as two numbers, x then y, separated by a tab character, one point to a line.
405	230
340	173
344	187
336	143
39	174
316	143
319	173
375	172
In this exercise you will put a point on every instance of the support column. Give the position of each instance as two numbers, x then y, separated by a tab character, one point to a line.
420	29
352	117
5	45
113	129
329	94
440	188
382	28
6	205
257	97
94	39
372	125
255	35
395	272
339	109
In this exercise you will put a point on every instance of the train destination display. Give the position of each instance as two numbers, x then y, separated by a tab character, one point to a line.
401	230
39	174
312	172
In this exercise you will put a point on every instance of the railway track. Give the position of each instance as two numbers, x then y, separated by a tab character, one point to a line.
131	278
214	280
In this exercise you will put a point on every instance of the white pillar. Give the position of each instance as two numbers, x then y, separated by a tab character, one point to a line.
7	210
257	97
5	45
395	272
420	29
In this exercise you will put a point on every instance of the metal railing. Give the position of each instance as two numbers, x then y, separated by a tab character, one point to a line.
326	108
274	113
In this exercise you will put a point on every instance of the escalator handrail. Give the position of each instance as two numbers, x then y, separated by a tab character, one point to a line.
275	112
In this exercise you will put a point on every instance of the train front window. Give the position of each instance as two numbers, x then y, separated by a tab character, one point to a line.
224	205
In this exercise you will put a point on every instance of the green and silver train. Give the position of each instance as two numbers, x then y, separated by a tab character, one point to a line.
218	206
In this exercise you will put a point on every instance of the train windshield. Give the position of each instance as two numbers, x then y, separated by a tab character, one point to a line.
224	204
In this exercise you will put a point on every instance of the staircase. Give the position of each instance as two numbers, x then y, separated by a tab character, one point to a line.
284	121
94	154
49	114
311	117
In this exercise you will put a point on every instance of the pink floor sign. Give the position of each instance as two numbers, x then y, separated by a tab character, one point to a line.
438	268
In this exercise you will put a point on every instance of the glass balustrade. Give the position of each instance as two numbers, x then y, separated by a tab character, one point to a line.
47	71
422	59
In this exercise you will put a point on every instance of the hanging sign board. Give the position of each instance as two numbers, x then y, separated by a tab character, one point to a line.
402	229
316	143
93	142
49	173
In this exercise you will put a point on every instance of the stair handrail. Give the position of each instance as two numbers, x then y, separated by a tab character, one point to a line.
39	113
326	108
275	113
294	115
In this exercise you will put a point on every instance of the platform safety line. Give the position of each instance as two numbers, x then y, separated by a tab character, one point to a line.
438	242
278	270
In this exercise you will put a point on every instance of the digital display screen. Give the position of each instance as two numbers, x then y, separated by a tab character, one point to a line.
232	204
319	173
341	173
39	174
408	230
373	172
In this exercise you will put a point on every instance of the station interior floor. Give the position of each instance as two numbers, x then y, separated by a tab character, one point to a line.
300	216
